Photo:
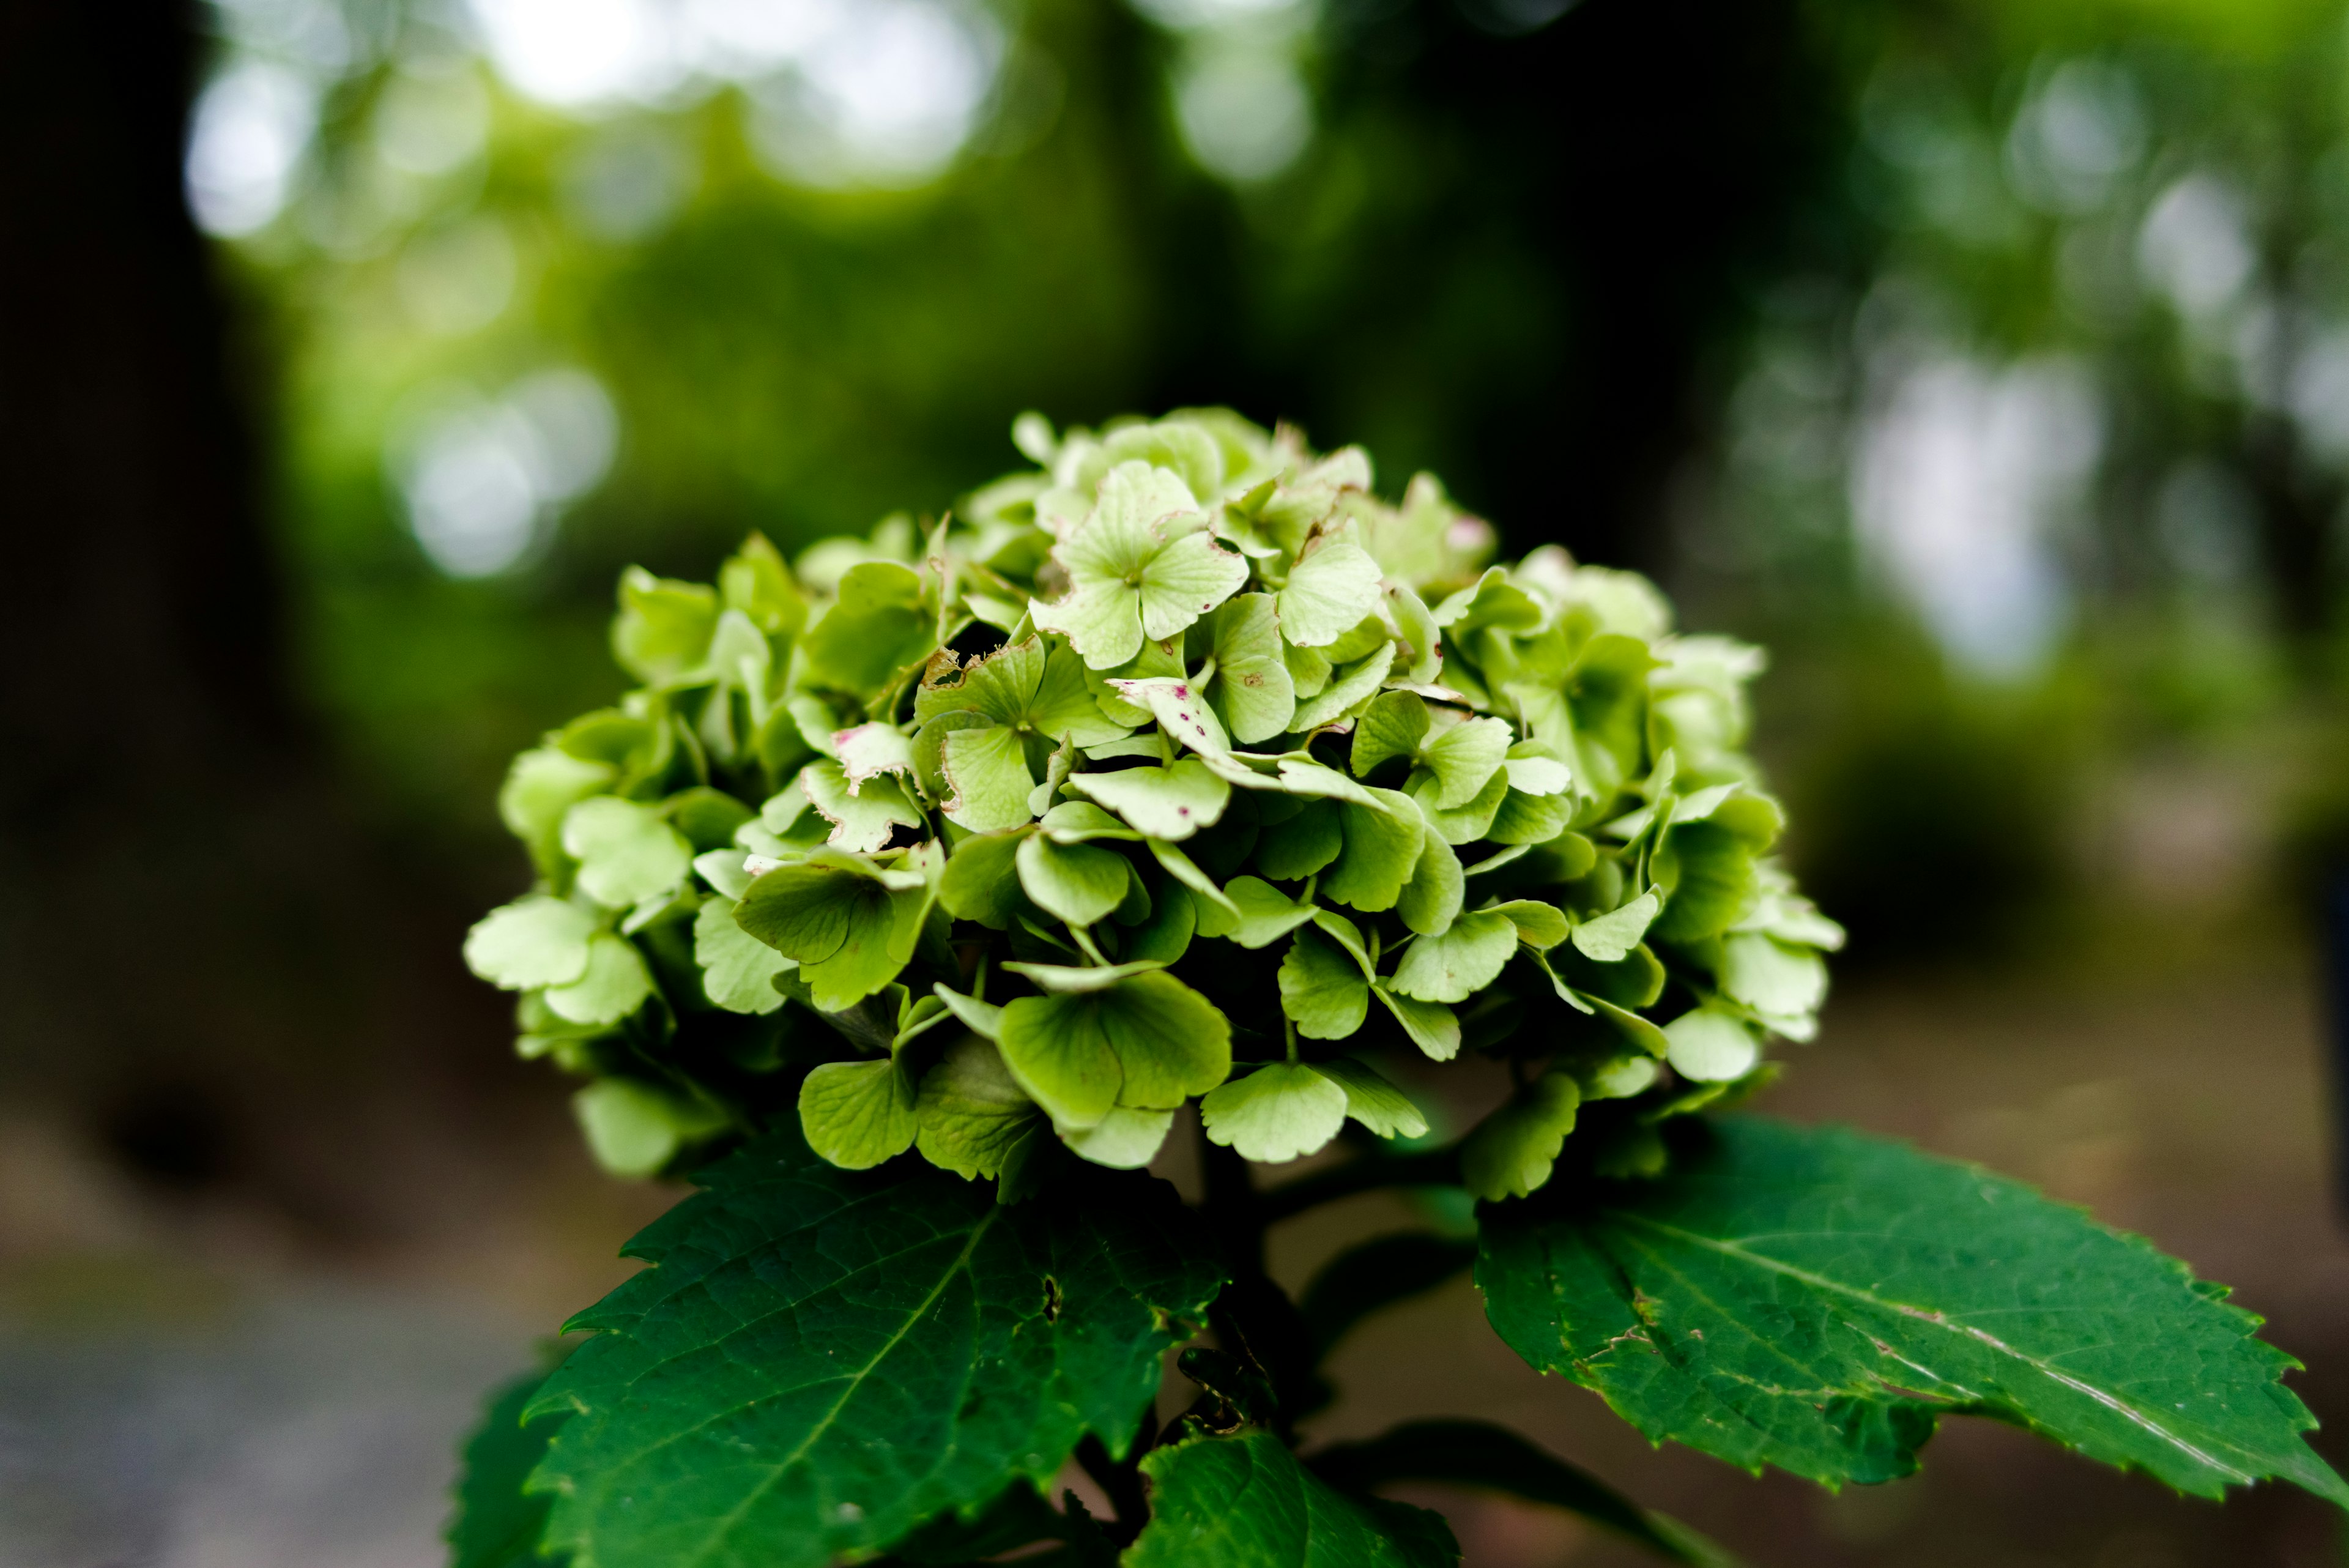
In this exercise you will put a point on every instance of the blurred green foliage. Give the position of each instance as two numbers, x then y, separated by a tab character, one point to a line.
2025	324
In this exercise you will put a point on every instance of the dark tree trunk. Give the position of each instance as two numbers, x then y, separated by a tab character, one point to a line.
201	960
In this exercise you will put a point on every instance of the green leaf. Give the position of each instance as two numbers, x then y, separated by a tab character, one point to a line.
1382	844
1512	1151
1329	592
1478	1454
1459	962
1140	565
862	818
857	1114
540	787
1711	1046
982	880
634	1129
495	1524
987	778
664	626
1382	1108
1430	1024
850	927
874	631
1147	1042
1246	1503
1267	914
1276	1113
1079	883
625	852
1171	803
738	969
817	1360
1374	1274
1609	938
531	942
971	1115
1297	848
1323	988
614	984
1251	691
1813	1299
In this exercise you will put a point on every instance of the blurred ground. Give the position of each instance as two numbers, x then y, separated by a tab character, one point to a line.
188	1382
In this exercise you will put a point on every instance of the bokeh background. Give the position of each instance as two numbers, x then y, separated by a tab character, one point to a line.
1989	359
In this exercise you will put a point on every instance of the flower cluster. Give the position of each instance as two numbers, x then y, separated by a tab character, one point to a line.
1183	767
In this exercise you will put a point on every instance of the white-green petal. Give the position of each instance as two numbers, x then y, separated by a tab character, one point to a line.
613	984
1181	712
1460	962
532	943
871	748
1124	1139
989	785
1770	977
1185	580
1710	1047
1372	1101
858	1114
1276	1113
1323	988
1079	883
1267	914
627	853
1327	593
863	822
1348	689
1512	1152
1463	759
1431	1024
1609	938
738	969
1171	803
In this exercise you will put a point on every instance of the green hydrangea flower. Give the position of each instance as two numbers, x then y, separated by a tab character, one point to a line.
1182	768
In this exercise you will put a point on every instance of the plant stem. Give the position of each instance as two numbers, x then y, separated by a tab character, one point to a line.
1253	1318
